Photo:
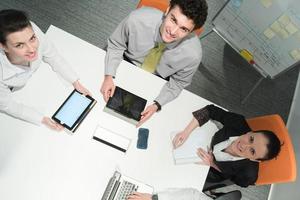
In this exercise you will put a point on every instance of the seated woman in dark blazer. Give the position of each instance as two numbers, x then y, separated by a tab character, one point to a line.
235	149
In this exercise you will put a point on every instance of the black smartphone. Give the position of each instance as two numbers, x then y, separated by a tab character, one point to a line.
143	135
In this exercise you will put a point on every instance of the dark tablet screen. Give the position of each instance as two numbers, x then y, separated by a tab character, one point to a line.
127	104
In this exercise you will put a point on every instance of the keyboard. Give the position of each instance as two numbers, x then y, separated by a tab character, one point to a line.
126	189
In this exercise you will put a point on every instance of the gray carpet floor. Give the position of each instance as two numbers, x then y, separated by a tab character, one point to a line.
223	77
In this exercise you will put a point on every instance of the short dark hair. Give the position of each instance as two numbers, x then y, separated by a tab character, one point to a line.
12	21
273	146
195	10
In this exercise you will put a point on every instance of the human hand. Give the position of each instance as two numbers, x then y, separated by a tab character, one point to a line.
107	88
52	124
179	139
139	196
80	88
206	157
147	113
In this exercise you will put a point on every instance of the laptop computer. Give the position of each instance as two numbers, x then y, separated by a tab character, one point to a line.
126	106
120	187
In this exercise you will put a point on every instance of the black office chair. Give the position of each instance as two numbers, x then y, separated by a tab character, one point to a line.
213	182
209	186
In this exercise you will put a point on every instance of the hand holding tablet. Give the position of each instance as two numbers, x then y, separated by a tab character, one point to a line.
48	122
72	112
126	105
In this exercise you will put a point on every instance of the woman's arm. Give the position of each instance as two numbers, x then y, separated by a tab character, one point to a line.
182	136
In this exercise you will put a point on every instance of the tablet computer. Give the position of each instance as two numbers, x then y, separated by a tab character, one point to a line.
73	110
125	105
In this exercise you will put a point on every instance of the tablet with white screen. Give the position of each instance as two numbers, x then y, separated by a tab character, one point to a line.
74	109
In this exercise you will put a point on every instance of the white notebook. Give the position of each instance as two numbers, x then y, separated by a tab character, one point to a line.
187	152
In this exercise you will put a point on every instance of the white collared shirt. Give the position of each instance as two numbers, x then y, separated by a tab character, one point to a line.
16	76
220	155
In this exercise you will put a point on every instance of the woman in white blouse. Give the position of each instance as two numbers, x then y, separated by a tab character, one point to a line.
23	46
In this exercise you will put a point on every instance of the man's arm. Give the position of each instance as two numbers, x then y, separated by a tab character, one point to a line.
177	83
170	90
147	113
116	45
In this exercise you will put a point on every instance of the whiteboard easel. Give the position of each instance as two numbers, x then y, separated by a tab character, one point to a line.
268	29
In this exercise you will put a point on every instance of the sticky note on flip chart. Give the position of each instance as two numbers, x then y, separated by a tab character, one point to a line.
266	3
276	27
291	28
283	34
295	54
284	20
269	33
247	55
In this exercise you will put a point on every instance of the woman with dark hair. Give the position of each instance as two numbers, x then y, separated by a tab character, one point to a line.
23	47
235	149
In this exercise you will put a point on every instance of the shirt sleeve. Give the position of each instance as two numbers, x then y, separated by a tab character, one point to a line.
177	83
116	45
53	58
182	193
229	119
16	109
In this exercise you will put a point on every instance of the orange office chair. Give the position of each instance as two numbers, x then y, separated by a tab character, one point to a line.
162	5
278	170
283	168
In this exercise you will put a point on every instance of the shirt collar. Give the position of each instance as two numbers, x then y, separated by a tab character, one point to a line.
220	155
9	70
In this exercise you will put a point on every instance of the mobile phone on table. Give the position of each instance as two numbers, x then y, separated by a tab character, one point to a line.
142	142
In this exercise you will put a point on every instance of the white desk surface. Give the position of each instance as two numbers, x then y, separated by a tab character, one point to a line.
37	163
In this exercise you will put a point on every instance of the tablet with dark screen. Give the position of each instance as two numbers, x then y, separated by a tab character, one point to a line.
126	105
75	108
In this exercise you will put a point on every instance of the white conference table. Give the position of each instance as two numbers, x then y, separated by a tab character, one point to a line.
37	163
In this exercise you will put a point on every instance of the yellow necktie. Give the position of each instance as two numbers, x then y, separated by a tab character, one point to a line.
153	58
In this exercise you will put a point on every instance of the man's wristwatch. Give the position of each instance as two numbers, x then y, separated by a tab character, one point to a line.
158	105
154	197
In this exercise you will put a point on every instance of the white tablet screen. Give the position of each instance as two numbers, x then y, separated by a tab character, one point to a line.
72	109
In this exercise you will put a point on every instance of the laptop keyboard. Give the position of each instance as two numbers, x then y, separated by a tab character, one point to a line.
126	189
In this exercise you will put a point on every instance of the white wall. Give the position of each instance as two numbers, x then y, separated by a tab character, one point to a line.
289	191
